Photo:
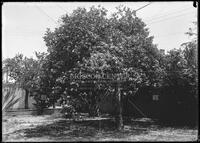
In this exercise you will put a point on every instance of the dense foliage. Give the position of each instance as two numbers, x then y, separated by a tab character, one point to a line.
90	42
181	81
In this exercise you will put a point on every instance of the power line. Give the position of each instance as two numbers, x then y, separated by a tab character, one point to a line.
46	14
156	14
143	7
168	35
176	16
167	14
175	33
61	8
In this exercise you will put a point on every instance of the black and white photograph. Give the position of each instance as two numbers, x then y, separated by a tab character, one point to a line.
100	71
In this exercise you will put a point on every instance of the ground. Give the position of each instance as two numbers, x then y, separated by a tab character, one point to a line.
56	128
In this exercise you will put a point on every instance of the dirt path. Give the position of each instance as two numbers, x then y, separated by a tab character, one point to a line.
55	128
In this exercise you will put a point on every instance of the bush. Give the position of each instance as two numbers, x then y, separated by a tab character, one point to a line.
40	105
68	111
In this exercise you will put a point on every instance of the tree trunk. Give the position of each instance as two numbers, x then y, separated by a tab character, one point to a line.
7	76
98	114
26	98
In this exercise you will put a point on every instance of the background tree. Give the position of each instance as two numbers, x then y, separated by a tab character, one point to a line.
181	79
182	64
25	72
191	60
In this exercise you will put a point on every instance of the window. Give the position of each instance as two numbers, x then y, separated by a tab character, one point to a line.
155	97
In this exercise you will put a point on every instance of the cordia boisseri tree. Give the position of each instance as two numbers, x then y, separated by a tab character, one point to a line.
93	42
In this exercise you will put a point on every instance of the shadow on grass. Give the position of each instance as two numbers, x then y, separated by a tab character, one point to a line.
87	130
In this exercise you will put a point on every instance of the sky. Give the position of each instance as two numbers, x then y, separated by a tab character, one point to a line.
24	23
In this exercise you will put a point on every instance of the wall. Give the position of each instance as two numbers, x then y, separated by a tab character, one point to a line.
108	104
18	93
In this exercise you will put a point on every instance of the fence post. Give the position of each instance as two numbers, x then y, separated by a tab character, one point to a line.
120	105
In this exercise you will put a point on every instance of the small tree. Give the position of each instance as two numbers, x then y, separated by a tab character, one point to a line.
25	72
22	70
181	77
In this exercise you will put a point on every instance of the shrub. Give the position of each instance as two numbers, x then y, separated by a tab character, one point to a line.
68	111
40	105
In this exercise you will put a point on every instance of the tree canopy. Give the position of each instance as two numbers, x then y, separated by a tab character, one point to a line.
92	42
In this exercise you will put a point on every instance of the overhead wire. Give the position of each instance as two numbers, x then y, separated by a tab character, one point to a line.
61	8
27	32
176	16
166	14
160	20
143	6
168	35
40	9
156	14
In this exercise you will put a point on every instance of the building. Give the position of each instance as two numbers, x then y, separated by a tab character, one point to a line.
12	88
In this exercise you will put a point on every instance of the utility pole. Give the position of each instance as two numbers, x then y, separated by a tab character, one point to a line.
120	104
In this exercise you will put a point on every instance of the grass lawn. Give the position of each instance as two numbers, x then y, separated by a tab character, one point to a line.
55	128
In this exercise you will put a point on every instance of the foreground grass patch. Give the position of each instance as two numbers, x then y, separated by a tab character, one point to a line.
49	128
